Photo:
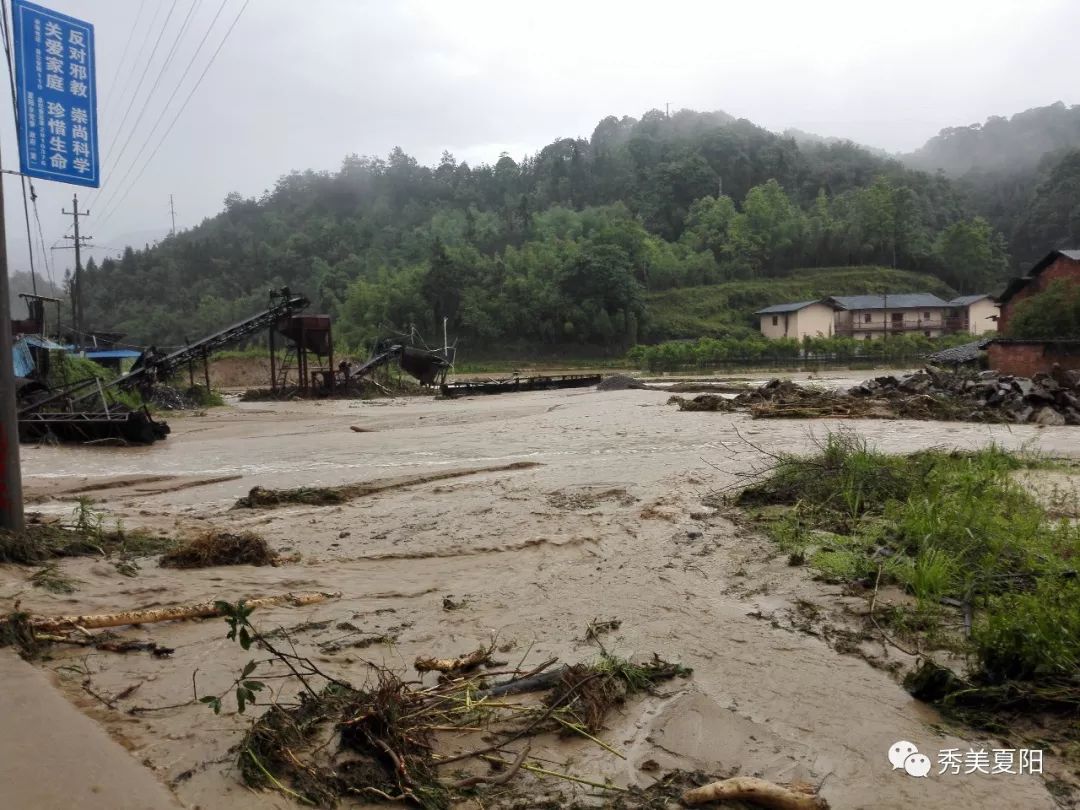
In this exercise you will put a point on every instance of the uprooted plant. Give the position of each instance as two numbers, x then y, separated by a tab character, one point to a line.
377	742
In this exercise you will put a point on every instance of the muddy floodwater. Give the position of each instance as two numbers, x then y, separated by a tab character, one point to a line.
616	520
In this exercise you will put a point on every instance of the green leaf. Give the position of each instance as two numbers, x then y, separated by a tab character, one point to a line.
254	686
207	699
224	608
245	638
241	696
249	667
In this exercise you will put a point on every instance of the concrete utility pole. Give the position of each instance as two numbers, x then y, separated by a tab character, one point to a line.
172	213
11	502
77	290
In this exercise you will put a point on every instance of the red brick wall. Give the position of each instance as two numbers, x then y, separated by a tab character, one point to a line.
1027	359
1062	268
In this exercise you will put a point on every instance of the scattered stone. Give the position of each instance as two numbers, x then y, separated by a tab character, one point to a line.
1048	416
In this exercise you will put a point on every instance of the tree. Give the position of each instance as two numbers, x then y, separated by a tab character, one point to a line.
972	256
767	230
1053	314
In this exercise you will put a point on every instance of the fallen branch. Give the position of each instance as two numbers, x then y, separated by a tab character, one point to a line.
460	664
501	779
756	791
530	683
200	610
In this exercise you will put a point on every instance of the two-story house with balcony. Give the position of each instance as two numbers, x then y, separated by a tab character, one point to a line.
874	316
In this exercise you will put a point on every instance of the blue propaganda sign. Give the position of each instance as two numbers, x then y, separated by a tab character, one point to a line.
57	100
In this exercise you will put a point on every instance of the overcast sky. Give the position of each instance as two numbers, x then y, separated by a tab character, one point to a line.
299	85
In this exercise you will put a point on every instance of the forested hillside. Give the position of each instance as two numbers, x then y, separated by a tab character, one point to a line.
568	246
1021	173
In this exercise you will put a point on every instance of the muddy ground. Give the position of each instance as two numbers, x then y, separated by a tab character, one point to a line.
617	521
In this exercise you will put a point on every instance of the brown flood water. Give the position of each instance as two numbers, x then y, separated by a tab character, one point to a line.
536	553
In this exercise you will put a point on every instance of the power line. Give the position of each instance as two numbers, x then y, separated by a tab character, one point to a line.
106	151
179	112
129	75
165	108
41	236
150	93
142	78
4	28
123	56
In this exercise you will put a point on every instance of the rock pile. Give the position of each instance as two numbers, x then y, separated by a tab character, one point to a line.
1045	399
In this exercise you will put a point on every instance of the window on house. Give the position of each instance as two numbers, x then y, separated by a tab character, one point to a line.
926	316
775	320
898	317
867	317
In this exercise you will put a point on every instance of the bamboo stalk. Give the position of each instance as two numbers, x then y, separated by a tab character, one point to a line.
199	610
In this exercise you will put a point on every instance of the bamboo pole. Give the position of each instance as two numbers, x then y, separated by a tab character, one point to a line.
199	610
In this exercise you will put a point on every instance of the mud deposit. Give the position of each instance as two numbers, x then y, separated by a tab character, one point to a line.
611	523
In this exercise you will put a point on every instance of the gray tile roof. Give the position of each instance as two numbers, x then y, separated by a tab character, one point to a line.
965	353
904	301
965	300
777	309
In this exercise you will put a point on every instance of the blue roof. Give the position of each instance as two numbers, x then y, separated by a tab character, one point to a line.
780	308
904	301
111	354
966	300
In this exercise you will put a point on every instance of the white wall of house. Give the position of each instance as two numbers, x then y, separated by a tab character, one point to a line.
981	316
777	325
815	320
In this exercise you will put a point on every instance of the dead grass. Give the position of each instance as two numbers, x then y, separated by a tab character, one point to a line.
311	496
220	548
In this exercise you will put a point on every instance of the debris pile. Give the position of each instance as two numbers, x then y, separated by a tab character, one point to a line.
1045	399
620	382
169	398
220	548
385	733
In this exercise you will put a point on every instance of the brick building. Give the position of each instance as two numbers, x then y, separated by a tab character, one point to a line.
1028	357
1057	264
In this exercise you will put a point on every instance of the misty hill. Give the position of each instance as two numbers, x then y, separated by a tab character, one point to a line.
568	246
803	138
1019	173
1001	144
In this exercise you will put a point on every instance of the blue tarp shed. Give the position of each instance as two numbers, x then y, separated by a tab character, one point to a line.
24	358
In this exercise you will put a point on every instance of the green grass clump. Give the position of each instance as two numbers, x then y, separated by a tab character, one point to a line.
1032	634
950	528
86	533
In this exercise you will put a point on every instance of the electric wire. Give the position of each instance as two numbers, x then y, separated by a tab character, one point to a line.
123	56
150	93
4	28
176	118
168	103
138	87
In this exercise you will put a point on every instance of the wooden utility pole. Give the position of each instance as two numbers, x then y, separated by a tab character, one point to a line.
77	290
172	213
